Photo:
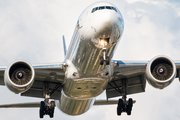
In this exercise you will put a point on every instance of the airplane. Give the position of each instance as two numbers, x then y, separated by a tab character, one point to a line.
88	69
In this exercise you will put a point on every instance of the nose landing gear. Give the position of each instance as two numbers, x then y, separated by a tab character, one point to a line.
104	58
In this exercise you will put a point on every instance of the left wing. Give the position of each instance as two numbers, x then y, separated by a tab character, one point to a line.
159	72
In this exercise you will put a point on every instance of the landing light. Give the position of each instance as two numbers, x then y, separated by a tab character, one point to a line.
103	42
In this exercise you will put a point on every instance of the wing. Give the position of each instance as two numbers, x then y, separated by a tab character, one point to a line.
132	72
52	74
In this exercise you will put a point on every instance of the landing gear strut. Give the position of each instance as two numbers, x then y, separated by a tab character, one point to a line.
46	107
104	58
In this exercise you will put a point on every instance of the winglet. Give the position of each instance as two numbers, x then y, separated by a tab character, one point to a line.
64	45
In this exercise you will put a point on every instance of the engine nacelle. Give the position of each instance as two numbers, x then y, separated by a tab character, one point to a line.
160	71
19	76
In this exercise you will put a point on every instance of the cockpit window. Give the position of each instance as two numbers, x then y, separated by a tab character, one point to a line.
100	8
114	9
108	7
93	10
103	7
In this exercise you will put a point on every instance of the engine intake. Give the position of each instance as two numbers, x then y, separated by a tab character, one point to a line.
19	76
160	72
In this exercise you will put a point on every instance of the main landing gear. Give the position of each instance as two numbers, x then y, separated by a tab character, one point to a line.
46	107
123	104
104	58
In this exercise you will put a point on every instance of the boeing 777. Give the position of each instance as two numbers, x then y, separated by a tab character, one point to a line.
88	69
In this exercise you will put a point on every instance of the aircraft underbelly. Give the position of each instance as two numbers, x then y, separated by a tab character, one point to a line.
73	106
84	88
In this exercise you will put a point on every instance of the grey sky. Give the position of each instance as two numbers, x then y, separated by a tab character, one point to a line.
32	30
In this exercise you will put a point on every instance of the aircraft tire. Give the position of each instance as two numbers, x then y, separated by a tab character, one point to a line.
41	110
41	113
101	60
51	110
42	106
52	105
129	106
107	60
51	113
119	107
118	112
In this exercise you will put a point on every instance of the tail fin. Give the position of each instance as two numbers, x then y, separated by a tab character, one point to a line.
64	45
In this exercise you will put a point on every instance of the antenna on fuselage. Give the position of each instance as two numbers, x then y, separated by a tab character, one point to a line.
64	45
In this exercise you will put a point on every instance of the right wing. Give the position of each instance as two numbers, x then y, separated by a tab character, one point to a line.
52	74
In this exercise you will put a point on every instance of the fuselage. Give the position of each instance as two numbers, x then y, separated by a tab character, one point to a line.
99	27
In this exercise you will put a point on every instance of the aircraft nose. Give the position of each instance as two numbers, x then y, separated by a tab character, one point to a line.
103	22
107	24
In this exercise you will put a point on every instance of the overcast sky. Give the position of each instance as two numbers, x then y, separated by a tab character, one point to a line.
32	30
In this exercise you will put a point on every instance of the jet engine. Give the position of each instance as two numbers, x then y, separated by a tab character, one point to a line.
19	76
160	72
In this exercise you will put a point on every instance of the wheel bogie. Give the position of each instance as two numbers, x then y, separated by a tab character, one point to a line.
47	108
124	106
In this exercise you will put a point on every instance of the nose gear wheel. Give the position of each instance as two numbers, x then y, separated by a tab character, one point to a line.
104	58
